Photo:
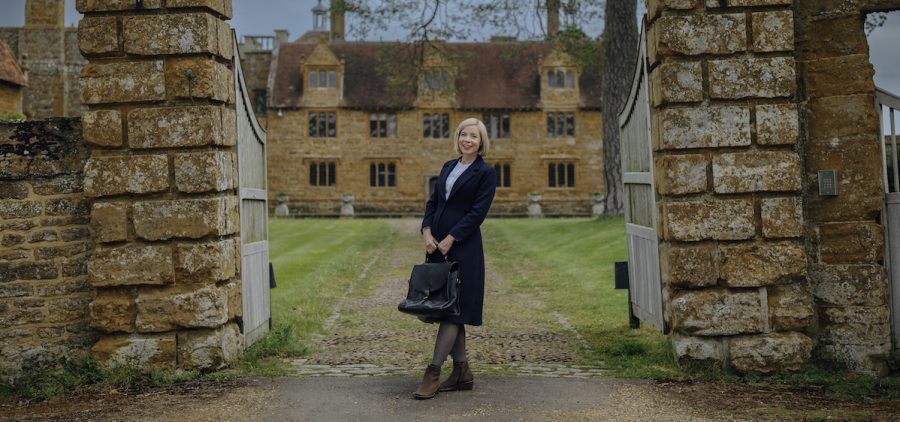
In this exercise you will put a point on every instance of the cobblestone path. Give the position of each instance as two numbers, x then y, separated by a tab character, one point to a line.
367	336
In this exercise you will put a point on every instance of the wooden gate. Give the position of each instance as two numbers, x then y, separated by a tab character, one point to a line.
645	289
888	106
254	212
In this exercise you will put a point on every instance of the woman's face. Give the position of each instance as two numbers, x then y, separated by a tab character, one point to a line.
469	140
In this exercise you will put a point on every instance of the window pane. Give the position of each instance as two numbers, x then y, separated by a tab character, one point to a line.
561	174
550	79
426	125
445	130
551	175
560	124
373	125
320	129
445	80
332	125
312	174
505	133
323	176
506	178
382	125
312	125
372	174
494	128
570	124
381	172
570	79
497	171
560	82
322	79
331	78
551	125
332	177
313	79
570	180
392	125
392	175
435	125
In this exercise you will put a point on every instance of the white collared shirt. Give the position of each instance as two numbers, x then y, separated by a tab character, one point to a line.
458	169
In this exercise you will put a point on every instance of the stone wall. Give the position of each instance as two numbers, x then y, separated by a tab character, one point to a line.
10	98
159	93
730	182
44	244
846	245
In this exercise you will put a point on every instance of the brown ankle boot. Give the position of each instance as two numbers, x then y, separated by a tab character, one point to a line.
428	388
460	379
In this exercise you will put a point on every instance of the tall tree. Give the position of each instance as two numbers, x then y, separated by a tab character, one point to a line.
620	38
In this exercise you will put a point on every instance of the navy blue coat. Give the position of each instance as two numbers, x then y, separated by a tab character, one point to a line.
461	215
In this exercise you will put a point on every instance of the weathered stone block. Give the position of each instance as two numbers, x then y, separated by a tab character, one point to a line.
680	174
210	349
139	350
184	218
860	183
833	117
745	3
106	176
85	6
67	183
226	42
756	171
850	285
210	79
113	310
716	312
850	243
843	75
204	171
68	250
131	265
10	208
12	239
770	352
677	35
69	309
182	33
222	7
777	124
700	220
863	325
677	82
63	287
13	190
204	262
67	206
185	306
102	128
98	35
176	127
656	6
791	307
702	127
773	31
43	235
109	221
20	289
781	217
752	77
845	35
761	263
869	358
688	266
123	82
235	298
74	267
28	270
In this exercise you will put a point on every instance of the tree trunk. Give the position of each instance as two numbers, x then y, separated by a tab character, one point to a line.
620	38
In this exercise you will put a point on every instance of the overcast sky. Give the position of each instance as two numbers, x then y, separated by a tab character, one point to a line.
261	17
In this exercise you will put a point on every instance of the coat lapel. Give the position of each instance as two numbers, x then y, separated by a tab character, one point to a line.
463	178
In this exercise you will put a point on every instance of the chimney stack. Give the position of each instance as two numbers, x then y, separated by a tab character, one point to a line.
552	18
337	19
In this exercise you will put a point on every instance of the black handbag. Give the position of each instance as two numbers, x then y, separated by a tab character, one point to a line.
433	290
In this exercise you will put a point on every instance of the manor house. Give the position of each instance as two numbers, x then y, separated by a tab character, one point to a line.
361	119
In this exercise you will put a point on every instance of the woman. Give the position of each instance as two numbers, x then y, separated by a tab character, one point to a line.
453	215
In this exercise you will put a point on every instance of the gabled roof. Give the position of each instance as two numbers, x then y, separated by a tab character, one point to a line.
9	69
495	75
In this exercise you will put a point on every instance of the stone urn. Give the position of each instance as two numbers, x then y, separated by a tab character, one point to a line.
281	205
347	205
599	207
534	205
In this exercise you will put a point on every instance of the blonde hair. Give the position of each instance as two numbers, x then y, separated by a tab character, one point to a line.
482	132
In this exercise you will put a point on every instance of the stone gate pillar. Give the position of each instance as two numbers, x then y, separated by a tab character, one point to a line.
728	173
160	119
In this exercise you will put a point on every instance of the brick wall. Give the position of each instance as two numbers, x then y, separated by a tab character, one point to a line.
44	244
730	179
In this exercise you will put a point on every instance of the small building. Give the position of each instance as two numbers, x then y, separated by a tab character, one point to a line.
12	80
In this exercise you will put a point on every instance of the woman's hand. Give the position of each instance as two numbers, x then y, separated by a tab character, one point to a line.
430	243
446	244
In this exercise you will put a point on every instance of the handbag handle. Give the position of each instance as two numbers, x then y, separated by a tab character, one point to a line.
428	255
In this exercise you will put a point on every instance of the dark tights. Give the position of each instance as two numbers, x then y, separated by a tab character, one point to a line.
451	339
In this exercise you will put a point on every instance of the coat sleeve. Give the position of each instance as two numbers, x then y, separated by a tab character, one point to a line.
476	214
430	208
